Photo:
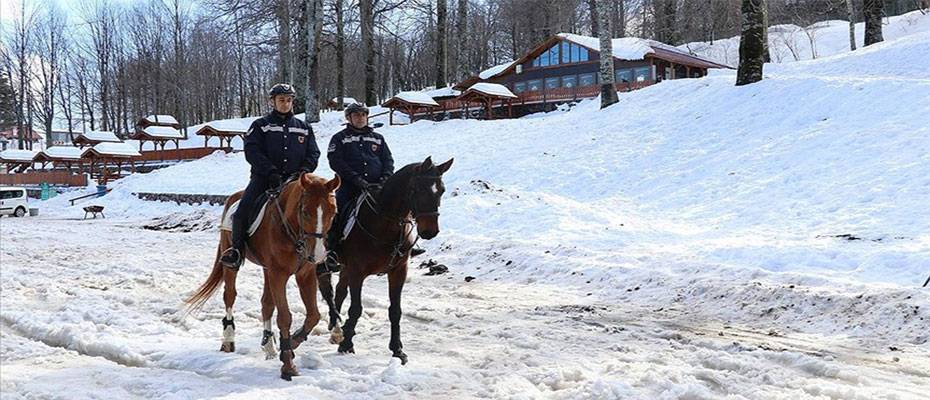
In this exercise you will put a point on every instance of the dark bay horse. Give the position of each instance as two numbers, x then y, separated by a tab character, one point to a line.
288	242
380	243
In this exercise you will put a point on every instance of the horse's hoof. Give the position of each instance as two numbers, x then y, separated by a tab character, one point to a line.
403	357
287	375
346	349
228	347
336	337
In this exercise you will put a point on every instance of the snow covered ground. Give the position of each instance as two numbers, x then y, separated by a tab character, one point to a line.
695	241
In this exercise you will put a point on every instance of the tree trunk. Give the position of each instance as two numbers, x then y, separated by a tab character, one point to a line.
461	35
752	43
618	14
284	42
441	45
314	28
368	49
608	91
850	12
595	23
340	56
872	11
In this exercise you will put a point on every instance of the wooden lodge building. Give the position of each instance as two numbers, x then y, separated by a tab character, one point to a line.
562	69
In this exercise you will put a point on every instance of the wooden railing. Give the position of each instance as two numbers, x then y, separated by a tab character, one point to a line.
63	178
192	153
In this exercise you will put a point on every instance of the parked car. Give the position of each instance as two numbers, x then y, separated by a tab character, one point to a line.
13	201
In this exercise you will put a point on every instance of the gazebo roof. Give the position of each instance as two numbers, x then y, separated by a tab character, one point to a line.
158	120
111	150
493	90
17	156
94	137
157	132
223	127
419	99
60	153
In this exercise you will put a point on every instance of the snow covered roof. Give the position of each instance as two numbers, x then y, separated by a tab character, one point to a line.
447	91
345	100
113	149
63	152
626	48
100	136
420	98
492	89
490	72
161	119
163	132
15	155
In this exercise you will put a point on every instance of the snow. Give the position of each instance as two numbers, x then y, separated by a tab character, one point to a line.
417	98
790	43
161	119
447	91
685	243
101	136
17	155
69	152
626	48
491	72
345	100
163	132
114	149
493	89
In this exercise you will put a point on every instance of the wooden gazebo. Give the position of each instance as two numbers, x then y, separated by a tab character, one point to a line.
93	138
487	94
66	156
226	132
410	103
158	135
334	103
104	155
17	160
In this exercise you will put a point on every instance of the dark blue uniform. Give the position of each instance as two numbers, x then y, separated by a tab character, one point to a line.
358	153
275	144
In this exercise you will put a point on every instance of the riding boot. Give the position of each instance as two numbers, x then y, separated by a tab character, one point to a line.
331	264
232	257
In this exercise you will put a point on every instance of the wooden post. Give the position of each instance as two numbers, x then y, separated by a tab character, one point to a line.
391	116
510	107
488	102
688	71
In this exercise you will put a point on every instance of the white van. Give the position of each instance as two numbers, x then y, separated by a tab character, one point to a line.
13	201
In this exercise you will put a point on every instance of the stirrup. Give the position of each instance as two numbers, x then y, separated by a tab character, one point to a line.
231	258
328	266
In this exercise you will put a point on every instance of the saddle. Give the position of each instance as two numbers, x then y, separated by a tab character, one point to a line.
254	220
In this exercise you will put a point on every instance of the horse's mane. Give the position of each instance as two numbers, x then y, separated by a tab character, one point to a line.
397	182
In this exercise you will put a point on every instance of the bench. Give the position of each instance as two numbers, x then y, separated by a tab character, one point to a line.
94	210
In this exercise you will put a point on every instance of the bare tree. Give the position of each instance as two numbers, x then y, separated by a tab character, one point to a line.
608	91
340	55
50	51
461	34
850	13
595	20
752	43
20	59
873	10
441	45
314	25
367	22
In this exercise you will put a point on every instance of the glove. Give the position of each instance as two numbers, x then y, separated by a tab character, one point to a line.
274	180
361	183
384	178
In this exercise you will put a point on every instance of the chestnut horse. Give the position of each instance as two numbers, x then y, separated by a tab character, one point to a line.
288	242
380	243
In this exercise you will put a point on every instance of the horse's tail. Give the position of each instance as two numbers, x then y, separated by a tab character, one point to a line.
203	293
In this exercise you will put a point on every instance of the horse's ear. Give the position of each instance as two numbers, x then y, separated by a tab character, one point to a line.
426	164
305	181
333	184
445	166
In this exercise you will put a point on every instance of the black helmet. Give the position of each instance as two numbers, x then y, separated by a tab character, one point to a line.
354	108
282	88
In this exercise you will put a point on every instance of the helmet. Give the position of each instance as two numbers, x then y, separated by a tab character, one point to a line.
282	88
354	108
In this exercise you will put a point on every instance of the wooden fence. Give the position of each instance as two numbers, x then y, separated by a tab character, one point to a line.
62	178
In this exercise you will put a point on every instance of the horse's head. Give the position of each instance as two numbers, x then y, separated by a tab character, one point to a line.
425	195
317	209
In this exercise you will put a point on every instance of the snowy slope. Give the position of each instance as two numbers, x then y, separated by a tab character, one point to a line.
789	43
686	243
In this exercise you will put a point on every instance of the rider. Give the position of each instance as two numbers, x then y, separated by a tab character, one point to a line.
277	146
362	159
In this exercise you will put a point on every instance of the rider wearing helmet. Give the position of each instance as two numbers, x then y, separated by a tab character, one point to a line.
362	159
277	146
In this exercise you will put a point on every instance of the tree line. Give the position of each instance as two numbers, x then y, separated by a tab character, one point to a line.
102	64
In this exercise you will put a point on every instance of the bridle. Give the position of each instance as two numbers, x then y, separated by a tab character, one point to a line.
300	237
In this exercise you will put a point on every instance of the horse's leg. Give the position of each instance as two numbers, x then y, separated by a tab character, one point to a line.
355	311
396	280
229	298
269	343
326	289
278	281
306	283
